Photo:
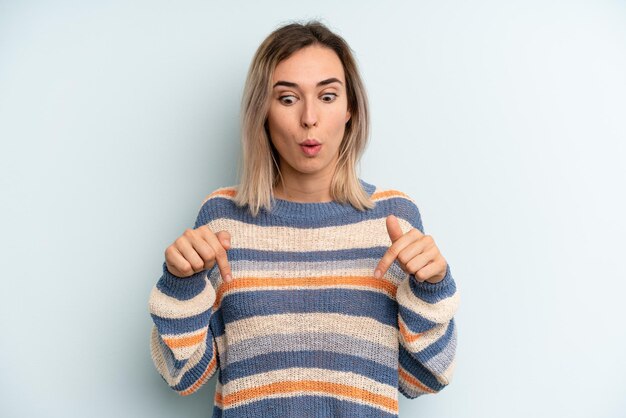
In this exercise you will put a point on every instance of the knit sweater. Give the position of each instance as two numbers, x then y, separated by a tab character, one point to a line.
304	329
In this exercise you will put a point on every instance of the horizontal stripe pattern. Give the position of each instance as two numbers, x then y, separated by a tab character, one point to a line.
304	325
288	405
166	306
323	388
353	382
421	313
277	359
326	341
292	323
355	302
183	376
281	239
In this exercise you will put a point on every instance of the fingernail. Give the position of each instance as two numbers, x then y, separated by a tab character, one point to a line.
227	278
377	274
227	241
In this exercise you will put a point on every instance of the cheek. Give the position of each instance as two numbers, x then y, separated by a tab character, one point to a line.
271	119
338	117
279	122
339	122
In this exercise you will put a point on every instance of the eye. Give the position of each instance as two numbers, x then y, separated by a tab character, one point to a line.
288	99
328	97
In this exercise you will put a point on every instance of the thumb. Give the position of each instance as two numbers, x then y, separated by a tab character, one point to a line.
393	228
224	239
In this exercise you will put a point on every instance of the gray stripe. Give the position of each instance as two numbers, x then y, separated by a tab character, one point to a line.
335	265
332	342
440	362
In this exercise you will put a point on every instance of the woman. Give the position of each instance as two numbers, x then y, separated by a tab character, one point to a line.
313	292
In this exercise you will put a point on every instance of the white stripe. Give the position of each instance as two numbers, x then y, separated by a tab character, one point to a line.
370	233
439	312
182	353
426	339
169	307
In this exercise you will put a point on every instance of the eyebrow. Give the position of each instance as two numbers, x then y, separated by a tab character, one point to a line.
321	83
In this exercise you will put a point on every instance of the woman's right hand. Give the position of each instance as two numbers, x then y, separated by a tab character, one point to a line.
197	250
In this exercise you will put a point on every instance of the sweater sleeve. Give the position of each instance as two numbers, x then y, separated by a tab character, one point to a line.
428	334
182	345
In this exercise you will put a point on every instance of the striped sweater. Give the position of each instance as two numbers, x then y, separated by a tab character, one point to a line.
304	329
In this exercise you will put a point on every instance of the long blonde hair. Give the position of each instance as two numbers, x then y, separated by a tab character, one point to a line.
259	171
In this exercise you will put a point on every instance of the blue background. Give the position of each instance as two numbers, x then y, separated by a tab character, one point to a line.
505	121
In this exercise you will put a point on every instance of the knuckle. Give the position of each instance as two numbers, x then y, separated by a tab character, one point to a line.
210	254
197	265
186	269
220	252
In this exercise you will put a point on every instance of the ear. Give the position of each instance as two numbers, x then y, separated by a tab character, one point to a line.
348	116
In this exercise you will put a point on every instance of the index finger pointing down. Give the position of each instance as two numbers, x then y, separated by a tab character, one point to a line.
221	258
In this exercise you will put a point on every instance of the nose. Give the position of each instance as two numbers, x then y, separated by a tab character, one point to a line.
309	115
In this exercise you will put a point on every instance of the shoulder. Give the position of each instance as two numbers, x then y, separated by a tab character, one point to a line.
225	192
383	193
398	197
217	204
399	203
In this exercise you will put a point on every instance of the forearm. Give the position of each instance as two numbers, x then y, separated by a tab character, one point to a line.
428	333
182	347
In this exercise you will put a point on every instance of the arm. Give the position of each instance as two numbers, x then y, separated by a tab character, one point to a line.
428	334
182	345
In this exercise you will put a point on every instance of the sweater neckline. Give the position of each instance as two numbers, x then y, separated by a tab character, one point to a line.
314	210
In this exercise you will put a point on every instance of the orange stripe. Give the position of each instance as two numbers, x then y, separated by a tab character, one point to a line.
226	192
311	385
412	380
255	282
219	400
408	335
209	370
178	342
388	193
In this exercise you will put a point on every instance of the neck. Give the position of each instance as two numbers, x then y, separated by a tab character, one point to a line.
305	188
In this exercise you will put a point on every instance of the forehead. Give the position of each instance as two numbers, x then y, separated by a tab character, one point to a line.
309	65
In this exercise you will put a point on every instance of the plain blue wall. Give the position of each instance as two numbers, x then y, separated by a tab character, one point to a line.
504	120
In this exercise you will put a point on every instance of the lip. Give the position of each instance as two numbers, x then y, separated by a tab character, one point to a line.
311	150
310	142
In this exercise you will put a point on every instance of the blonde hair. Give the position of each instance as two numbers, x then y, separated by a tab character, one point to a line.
259	171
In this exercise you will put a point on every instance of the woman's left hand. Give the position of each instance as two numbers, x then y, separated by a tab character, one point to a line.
417	254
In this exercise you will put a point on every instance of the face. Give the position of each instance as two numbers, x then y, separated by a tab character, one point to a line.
308	102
